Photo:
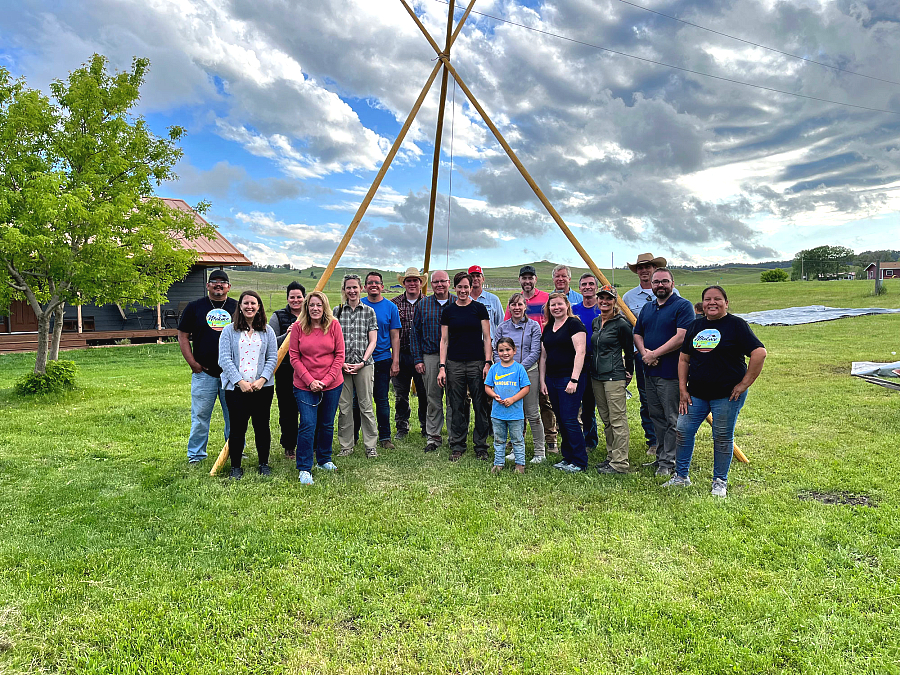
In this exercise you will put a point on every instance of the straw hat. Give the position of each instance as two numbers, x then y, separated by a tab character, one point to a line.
410	272
647	258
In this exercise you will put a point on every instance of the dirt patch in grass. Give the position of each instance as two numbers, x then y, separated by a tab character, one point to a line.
839	498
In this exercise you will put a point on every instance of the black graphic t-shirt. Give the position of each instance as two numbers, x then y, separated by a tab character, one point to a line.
204	320
717	350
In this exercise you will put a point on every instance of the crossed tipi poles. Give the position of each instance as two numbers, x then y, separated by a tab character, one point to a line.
444	66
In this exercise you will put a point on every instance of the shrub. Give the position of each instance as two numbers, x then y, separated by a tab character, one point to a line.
59	376
774	275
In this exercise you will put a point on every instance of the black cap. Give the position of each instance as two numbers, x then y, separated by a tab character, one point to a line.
526	270
218	275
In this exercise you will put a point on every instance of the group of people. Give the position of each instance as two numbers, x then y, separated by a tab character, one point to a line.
548	359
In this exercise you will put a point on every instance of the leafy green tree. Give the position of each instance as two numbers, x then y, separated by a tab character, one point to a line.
821	261
78	220
774	275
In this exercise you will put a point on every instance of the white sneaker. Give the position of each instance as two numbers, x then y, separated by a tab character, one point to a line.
571	468
328	466
677	481
510	457
561	465
719	488
537	460
305	478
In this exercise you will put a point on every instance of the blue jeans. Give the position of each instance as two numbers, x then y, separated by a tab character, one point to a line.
316	427
646	422
565	407
380	395
515	429
588	418
205	389
724	414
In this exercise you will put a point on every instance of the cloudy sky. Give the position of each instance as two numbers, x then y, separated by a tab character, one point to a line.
291	108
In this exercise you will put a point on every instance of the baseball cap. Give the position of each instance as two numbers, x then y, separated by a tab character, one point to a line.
476	269
609	290
527	270
218	275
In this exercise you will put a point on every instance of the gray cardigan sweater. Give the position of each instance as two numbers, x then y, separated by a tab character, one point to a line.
230	356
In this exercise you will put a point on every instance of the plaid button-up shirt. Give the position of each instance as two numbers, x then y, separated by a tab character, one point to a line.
407	311
425	337
356	324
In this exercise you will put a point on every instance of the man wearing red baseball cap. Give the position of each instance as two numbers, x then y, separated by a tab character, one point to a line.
486	298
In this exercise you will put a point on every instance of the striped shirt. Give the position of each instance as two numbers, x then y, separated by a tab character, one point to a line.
356	324
425	337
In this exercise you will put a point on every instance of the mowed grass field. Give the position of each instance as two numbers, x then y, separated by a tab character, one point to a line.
117	558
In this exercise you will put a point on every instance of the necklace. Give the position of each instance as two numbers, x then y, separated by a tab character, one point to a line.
214	304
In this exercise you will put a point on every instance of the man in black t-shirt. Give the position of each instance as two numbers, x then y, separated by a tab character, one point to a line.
198	336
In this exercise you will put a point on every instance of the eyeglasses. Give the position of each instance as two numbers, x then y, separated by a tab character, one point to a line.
219	283
658	282
440	281
374	282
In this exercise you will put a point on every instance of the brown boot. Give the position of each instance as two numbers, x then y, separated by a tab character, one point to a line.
520	468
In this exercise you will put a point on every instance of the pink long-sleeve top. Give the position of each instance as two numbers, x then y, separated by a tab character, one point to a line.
317	356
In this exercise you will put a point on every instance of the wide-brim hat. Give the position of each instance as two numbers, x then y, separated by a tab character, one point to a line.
647	258
411	272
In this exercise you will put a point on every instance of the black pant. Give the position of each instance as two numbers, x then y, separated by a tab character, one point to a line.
401	384
468	376
287	406
243	407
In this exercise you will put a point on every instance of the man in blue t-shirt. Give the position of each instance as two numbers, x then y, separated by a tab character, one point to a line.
587	310
658	335
386	354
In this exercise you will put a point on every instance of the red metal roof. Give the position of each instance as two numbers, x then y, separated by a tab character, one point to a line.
213	252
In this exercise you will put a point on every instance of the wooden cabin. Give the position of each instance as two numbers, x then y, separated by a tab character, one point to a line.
889	270
90	325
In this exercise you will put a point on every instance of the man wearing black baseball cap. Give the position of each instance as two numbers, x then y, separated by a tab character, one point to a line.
198	336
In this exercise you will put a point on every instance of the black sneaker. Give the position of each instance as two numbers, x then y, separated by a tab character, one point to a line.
431	447
264	470
607	469
236	472
482	455
401	434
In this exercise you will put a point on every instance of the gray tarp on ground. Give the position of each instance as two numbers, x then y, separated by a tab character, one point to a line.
872	368
794	316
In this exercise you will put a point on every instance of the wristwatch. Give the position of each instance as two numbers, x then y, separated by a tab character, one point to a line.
441	365
573	380
488	363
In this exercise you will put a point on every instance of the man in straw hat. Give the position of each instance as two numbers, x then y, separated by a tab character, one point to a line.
406	303
645	265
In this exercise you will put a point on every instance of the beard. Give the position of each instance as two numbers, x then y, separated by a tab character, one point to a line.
663	292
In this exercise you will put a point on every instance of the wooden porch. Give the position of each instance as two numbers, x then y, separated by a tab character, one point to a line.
27	342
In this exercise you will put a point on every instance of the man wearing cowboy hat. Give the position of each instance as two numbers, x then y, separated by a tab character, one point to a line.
636	298
406	303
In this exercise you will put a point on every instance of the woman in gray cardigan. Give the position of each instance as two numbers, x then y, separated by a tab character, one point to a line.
612	366
526	334
248	352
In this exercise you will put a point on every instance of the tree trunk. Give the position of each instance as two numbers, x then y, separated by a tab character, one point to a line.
57	331
43	347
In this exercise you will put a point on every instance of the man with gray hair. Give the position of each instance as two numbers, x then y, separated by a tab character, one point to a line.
561	278
425	345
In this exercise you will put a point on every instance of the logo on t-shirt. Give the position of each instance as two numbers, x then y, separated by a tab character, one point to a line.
706	340
217	319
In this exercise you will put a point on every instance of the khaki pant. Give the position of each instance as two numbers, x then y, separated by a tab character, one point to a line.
434	419
362	383
609	396
533	411
548	418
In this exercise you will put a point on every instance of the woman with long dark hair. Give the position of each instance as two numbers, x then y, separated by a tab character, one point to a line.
317	356
248	352
714	378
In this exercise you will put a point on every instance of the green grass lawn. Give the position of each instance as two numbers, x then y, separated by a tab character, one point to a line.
116	558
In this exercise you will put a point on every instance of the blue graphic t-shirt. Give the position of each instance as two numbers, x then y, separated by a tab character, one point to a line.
507	382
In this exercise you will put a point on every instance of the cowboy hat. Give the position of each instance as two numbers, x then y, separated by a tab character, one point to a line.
647	258
410	272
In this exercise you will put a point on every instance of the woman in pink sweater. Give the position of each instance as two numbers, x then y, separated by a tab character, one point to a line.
316	349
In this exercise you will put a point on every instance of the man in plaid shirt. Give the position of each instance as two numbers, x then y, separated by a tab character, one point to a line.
406	304
425	342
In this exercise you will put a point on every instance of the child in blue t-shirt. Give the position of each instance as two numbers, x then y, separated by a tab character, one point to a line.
507	385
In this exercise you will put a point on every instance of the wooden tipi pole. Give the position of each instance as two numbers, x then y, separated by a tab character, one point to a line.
528	179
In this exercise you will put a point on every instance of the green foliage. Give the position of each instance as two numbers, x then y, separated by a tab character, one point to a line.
821	262
77	174
776	275
59	376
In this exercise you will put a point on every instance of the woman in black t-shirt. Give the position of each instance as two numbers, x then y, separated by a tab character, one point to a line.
563	377
466	355
713	378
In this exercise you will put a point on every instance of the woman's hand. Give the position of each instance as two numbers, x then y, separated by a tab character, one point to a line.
316	386
258	384
738	390
571	387
628	377
684	401
245	386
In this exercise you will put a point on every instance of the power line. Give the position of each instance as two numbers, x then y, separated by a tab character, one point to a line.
681	68
756	44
